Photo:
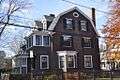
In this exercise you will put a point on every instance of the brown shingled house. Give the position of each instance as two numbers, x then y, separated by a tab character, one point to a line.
66	42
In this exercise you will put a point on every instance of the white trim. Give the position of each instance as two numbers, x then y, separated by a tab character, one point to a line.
75	14
83	27
90	60
34	40
47	61
53	24
73	60
42	41
65	54
90	42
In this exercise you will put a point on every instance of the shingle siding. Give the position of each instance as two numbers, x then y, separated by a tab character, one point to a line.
77	35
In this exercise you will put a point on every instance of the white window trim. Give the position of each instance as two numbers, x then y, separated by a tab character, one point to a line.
68	36
67	24
47	61
74	61
59	60
82	25
65	54
75	14
90	60
42	41
87	38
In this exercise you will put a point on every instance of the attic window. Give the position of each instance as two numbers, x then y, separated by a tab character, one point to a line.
68	23
75	14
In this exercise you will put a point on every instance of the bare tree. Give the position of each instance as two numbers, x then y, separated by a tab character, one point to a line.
8	8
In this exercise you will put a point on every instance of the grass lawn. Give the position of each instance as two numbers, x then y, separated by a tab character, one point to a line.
107	79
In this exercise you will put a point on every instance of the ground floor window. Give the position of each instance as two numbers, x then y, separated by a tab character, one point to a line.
67	59
88	61
71	61
44	62
61	61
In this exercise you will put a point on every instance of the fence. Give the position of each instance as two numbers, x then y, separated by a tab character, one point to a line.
72	75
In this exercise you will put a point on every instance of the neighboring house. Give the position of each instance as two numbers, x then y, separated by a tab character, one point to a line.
67	42
110	59
20	62
2	58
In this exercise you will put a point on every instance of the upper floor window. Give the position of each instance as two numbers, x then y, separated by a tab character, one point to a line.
46	40
42	40
68	23
38	40
86	42
30	41
67	41
83	25
44	62
88	61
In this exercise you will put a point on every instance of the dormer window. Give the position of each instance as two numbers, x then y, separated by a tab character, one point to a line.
68	23
83	25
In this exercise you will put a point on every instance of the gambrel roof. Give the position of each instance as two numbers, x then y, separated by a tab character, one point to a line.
53	24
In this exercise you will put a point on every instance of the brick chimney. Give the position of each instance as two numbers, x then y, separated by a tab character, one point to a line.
93	16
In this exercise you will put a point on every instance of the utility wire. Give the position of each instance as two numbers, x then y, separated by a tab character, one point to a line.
31	27
19	17
86	7
18	25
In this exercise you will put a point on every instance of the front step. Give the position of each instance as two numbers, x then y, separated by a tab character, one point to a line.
71	76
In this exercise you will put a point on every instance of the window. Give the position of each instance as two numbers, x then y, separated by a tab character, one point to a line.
38	40
86	42
88	61
68	23
42	40
30	41
83	25
61	61
67	59
45	40
70	61
44	63
67	41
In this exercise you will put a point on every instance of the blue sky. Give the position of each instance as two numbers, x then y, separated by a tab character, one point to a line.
46	7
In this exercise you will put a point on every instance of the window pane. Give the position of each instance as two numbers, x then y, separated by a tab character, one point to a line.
61	61
87	42
44	62
30	41
38	40
69	23
88	61
70	61
83	25
67	41
46	40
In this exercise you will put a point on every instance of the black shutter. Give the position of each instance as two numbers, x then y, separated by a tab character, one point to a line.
82	42
73	24
64	23
61	41
87	26
72	41
92	42
79	24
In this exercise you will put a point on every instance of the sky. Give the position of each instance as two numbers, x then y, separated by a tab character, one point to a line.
46	7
